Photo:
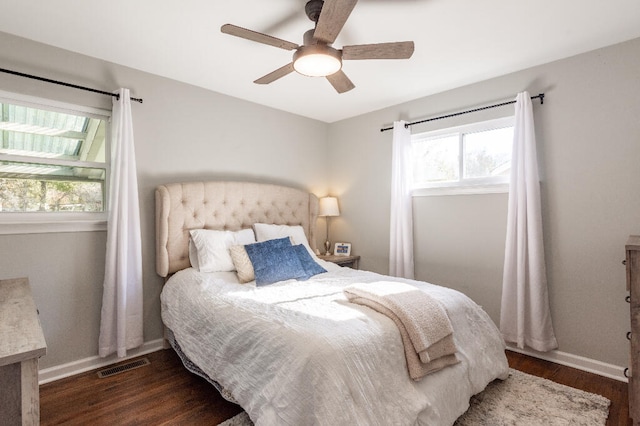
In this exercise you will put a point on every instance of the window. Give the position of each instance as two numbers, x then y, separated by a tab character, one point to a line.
474	158
53	162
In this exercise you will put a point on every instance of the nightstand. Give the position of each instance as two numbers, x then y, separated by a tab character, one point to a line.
349	261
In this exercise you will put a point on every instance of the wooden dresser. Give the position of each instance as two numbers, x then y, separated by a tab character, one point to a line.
21	344
632	262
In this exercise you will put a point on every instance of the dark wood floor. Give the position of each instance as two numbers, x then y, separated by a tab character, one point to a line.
164	393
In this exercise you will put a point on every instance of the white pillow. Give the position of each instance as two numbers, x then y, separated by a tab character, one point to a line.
267	231
213	248
193	255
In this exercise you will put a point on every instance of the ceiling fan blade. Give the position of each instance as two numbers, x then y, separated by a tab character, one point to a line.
256	36
274	75
332	18
395	50
340	82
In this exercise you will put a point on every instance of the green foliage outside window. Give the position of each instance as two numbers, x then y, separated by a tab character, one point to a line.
30	195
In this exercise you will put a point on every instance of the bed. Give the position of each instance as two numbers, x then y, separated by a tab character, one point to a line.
296	351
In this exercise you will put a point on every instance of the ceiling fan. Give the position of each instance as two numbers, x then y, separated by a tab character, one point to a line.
316	57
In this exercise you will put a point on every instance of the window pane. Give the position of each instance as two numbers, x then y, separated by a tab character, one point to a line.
436	160
35	132
488	153
33	195
51	160
48	188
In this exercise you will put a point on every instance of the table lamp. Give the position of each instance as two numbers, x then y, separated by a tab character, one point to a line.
328	208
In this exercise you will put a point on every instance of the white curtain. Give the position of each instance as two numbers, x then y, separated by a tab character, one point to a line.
401	241
121	321
525	318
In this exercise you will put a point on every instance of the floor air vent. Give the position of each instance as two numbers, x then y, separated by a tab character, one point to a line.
112	371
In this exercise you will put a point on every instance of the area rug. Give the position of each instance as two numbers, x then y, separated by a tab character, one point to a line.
521	399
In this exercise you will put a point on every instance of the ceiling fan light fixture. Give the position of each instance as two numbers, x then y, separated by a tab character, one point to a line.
315	57
317	60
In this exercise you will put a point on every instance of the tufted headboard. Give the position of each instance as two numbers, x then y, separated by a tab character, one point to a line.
232	206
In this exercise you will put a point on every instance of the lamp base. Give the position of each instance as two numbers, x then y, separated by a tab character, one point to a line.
327	248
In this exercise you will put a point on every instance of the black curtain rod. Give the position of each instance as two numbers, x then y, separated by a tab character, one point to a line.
62	83
539	96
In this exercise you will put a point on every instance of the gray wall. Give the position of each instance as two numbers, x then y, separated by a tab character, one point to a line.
588	133
588	136
181	133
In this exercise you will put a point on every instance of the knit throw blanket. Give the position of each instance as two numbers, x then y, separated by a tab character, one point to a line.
427	335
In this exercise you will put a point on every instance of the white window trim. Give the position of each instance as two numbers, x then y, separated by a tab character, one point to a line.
494	188
52	161
44	223
33	101
494	185
54	222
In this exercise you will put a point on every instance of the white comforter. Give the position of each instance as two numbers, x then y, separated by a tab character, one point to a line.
297	353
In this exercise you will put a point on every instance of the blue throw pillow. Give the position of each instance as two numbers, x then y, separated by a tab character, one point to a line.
310	266
266	246
274	260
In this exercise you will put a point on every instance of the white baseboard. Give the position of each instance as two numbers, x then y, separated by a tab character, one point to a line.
576	361
76	367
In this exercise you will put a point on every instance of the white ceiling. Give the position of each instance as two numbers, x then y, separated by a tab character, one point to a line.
458	42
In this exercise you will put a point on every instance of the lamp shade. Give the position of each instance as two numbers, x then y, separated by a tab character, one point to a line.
329	207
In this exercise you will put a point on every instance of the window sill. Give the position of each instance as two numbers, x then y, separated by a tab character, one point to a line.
461	190
33	223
